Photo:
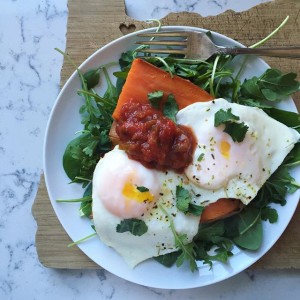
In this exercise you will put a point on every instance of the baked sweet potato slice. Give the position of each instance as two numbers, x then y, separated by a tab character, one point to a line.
144	78
220	209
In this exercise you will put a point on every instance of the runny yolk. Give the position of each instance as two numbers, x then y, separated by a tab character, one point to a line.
131	192
225	149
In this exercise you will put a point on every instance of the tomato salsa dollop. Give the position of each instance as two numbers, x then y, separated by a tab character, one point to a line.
153	139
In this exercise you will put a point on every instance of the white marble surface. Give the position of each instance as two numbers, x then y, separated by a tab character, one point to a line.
30	71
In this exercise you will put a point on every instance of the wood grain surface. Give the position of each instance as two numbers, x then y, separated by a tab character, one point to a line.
94	23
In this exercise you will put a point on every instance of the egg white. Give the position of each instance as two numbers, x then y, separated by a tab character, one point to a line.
159	239
244	168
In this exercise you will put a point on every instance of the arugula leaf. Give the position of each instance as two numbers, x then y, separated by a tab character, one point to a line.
211	236
220	253
111	93
188	253
170	108
155	98
237	131
187	249
92	78
134	226
276	188
183	202
272	85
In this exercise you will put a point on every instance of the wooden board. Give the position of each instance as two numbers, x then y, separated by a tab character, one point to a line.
94	23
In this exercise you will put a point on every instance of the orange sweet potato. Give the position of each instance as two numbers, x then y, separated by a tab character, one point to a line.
144	78
220	209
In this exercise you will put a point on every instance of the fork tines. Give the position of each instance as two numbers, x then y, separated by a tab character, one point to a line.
164	42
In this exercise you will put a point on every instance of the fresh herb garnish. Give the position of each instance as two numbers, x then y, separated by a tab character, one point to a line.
134	226
184	202
272	85
155	98
236	130
170	108
142	189
200	157
186	250
269	214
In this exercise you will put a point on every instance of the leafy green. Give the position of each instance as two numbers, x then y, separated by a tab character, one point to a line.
134	226
92	78
186	250
168	260
142	189
200	157
252	238
236	130
222	116
293	158
269	214
272	85
86	206
275	189
170	108
155	98
184	202
79	159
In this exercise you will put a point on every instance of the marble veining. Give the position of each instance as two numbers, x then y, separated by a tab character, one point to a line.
30	76
138	10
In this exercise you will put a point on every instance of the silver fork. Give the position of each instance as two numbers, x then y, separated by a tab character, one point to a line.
197	45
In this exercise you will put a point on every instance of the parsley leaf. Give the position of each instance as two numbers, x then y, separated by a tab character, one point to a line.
142	189
272	85
155	98
270	214
170	108
183	202
237	131
134	226
222	116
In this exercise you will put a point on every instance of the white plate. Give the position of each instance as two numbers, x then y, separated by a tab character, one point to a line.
65	121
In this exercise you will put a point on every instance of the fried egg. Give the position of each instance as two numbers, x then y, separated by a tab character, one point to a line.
125	189
223	168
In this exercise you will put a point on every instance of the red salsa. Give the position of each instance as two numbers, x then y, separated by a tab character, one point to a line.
153	139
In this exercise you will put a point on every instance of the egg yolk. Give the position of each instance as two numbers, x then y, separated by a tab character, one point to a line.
131	192
225	149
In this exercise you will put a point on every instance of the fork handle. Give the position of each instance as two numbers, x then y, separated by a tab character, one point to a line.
286	52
